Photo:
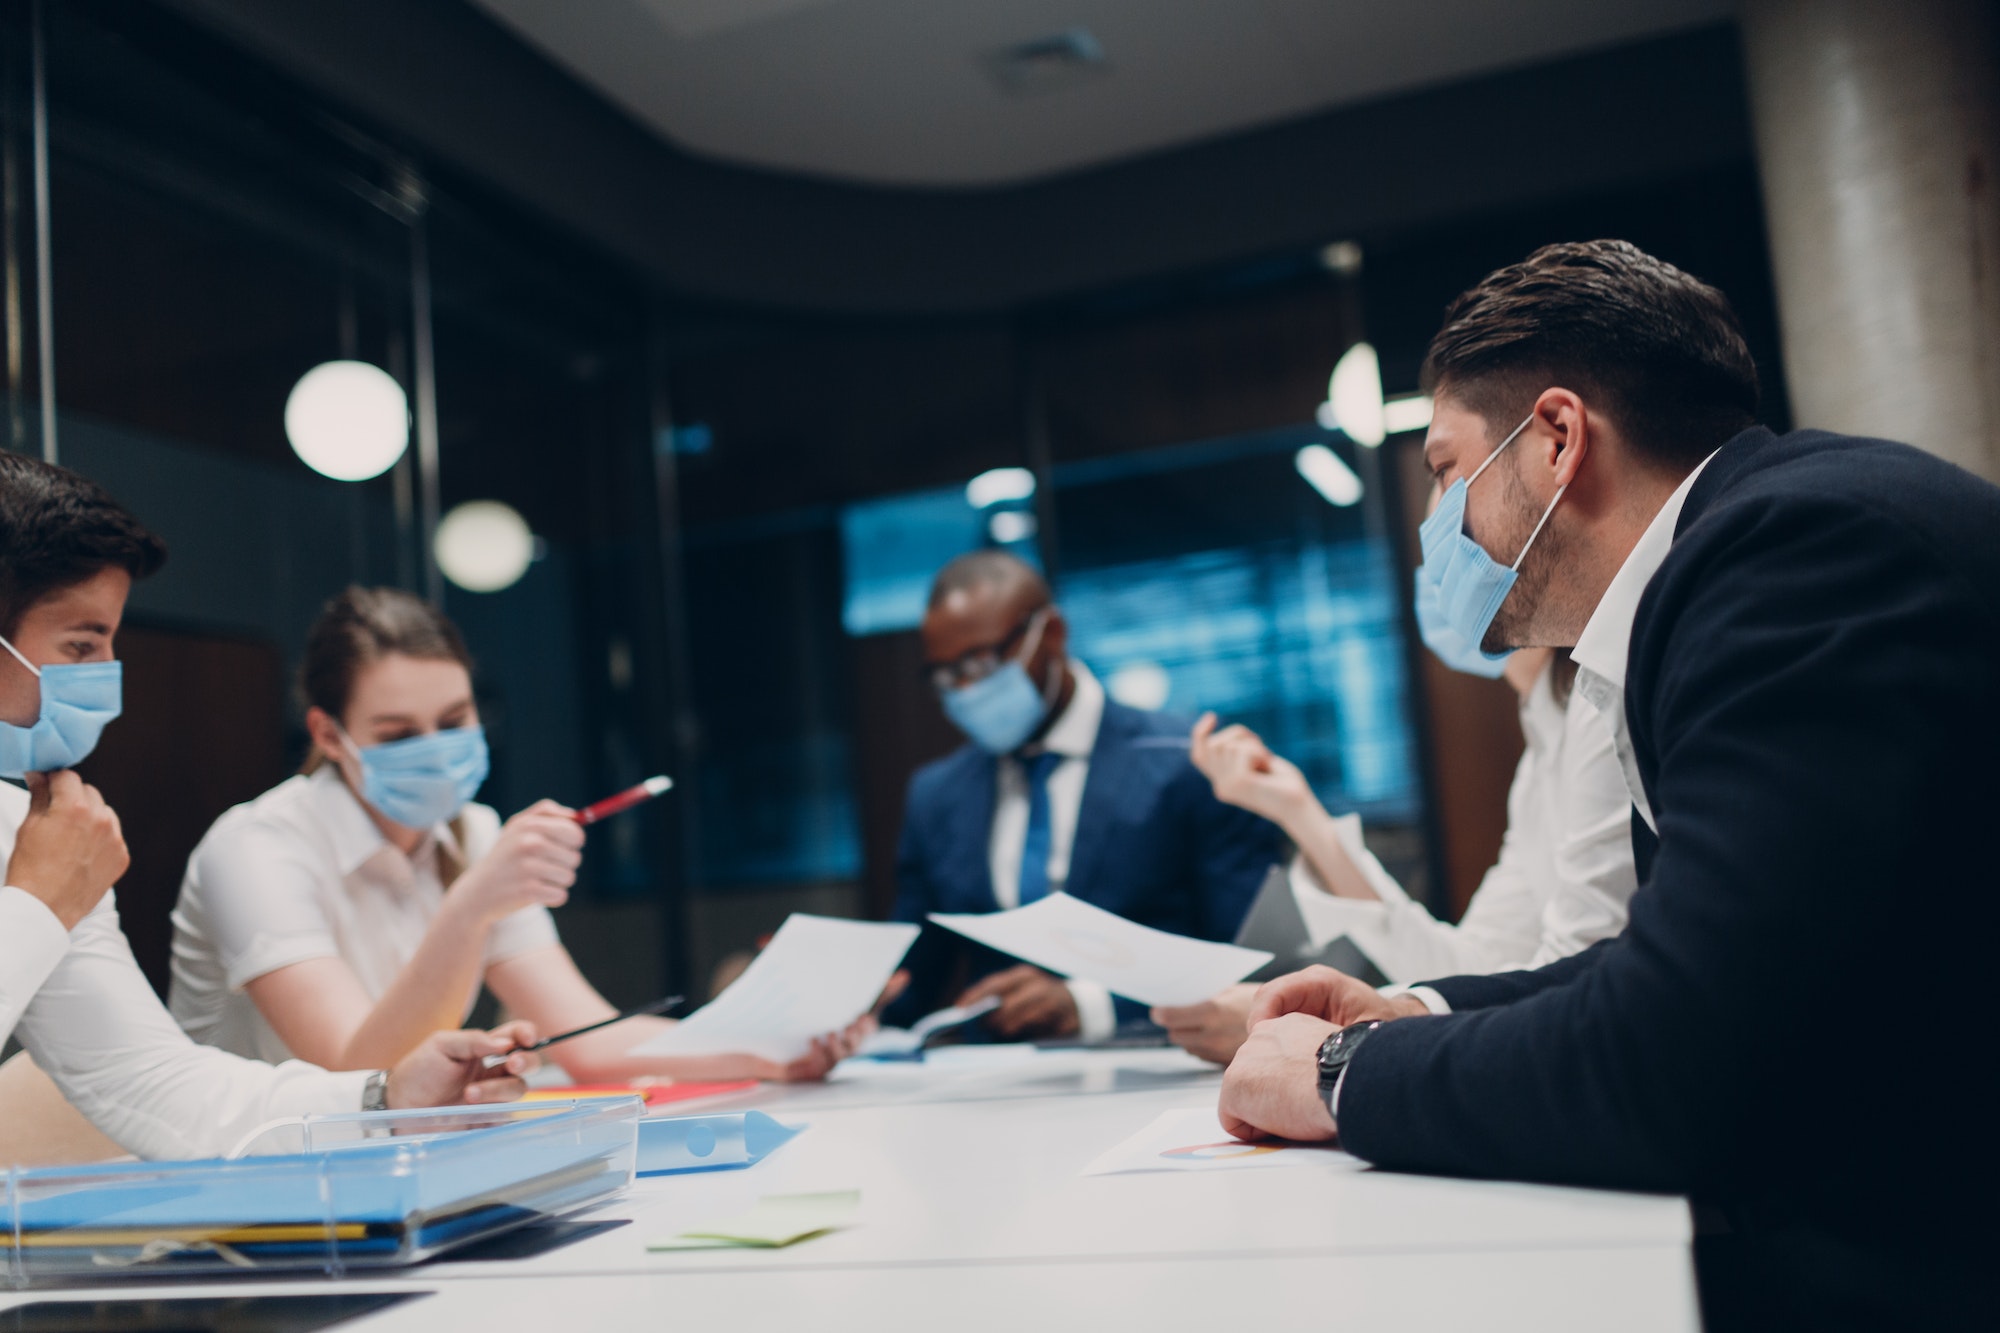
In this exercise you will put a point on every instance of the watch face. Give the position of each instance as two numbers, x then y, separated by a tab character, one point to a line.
1335	1052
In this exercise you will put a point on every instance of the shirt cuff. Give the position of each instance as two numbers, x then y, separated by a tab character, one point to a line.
1096	1017
1429	998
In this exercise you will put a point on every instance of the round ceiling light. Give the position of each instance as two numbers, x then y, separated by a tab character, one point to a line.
348	420
484	546
1355	395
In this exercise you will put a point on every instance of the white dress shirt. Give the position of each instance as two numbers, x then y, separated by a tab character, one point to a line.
1073	736
1563	881
302	872
1601	649
79	1004
1601	652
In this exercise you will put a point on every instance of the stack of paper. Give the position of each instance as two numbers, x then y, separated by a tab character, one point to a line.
1069	936
817	975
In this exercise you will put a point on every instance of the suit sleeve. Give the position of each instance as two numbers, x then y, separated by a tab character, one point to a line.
1489	992
1233	852
930	959
1805	678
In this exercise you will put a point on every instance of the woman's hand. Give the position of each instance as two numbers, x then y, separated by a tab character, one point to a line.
532	865
1246	774
826	1052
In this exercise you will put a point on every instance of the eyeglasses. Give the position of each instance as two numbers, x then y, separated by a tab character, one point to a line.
972	667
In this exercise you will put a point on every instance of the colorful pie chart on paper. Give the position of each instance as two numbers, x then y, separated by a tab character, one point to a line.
1211	1152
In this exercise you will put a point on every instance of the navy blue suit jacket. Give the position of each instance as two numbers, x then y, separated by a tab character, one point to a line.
1796	1026
1152	844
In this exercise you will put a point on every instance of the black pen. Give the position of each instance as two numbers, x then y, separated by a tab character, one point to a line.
656	1007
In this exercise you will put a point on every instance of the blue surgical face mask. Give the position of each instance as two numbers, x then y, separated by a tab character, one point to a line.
423	780
78	700
1465	585
1000	712
1445	643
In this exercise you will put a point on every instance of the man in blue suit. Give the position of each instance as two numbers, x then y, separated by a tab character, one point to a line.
1061	790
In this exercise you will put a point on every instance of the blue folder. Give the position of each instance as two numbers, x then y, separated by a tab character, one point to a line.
727	1142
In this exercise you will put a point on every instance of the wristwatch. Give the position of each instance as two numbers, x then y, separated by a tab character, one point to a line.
1335	1052
375	1092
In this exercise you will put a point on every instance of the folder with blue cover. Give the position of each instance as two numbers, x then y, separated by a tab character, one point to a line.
731	1141
361	1190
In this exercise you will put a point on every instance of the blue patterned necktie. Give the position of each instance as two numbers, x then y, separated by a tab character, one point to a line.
1035	849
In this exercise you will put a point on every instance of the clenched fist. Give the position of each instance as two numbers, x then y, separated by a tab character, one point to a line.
70	849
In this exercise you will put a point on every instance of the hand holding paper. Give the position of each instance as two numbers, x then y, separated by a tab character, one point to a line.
816	976
1069	936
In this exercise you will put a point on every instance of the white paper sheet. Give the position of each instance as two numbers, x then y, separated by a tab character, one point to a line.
1194	1140
817	975
1069	936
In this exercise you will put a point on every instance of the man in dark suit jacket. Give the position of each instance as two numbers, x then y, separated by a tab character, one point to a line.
1799	639
1059	791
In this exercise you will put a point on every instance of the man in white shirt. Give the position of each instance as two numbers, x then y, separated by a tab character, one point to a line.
70	991
1061	790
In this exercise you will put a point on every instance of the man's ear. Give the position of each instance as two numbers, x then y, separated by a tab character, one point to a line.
1561	434
1055	634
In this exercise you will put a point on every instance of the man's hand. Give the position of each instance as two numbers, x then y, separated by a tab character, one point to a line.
1032	1003
70	849
1245	774
1331	996
447	1069
1271	1089
1212	1029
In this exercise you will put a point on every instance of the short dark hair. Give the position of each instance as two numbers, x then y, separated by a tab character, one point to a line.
58	529
988	567
1662	350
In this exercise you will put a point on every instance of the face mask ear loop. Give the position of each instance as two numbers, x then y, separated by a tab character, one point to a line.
347	740
1499	449
32	668
1516	566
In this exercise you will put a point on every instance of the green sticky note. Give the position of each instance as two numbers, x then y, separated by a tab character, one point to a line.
777	1220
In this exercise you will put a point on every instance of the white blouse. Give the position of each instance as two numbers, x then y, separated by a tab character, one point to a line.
1564	880
303	872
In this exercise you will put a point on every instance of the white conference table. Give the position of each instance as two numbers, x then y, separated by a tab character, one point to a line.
974	1216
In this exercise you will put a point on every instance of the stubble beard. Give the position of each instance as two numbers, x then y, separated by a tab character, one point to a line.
1524	615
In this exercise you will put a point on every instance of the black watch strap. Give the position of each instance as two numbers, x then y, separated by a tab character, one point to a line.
1338	1049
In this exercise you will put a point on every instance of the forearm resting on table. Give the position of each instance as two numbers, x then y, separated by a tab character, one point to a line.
319	1009
606	1057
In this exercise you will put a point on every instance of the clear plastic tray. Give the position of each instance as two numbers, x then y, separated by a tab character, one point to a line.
327	1193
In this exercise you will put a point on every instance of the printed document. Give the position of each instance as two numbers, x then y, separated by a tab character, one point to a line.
1194	1140
1069	936
817	975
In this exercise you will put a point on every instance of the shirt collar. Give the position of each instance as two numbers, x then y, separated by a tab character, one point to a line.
356	839
1075	732
1605	642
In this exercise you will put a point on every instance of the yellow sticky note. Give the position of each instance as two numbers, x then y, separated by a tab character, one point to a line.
777	1220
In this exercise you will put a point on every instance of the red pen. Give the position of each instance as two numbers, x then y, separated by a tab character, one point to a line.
624	800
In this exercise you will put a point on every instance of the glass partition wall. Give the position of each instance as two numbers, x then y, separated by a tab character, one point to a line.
214	233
